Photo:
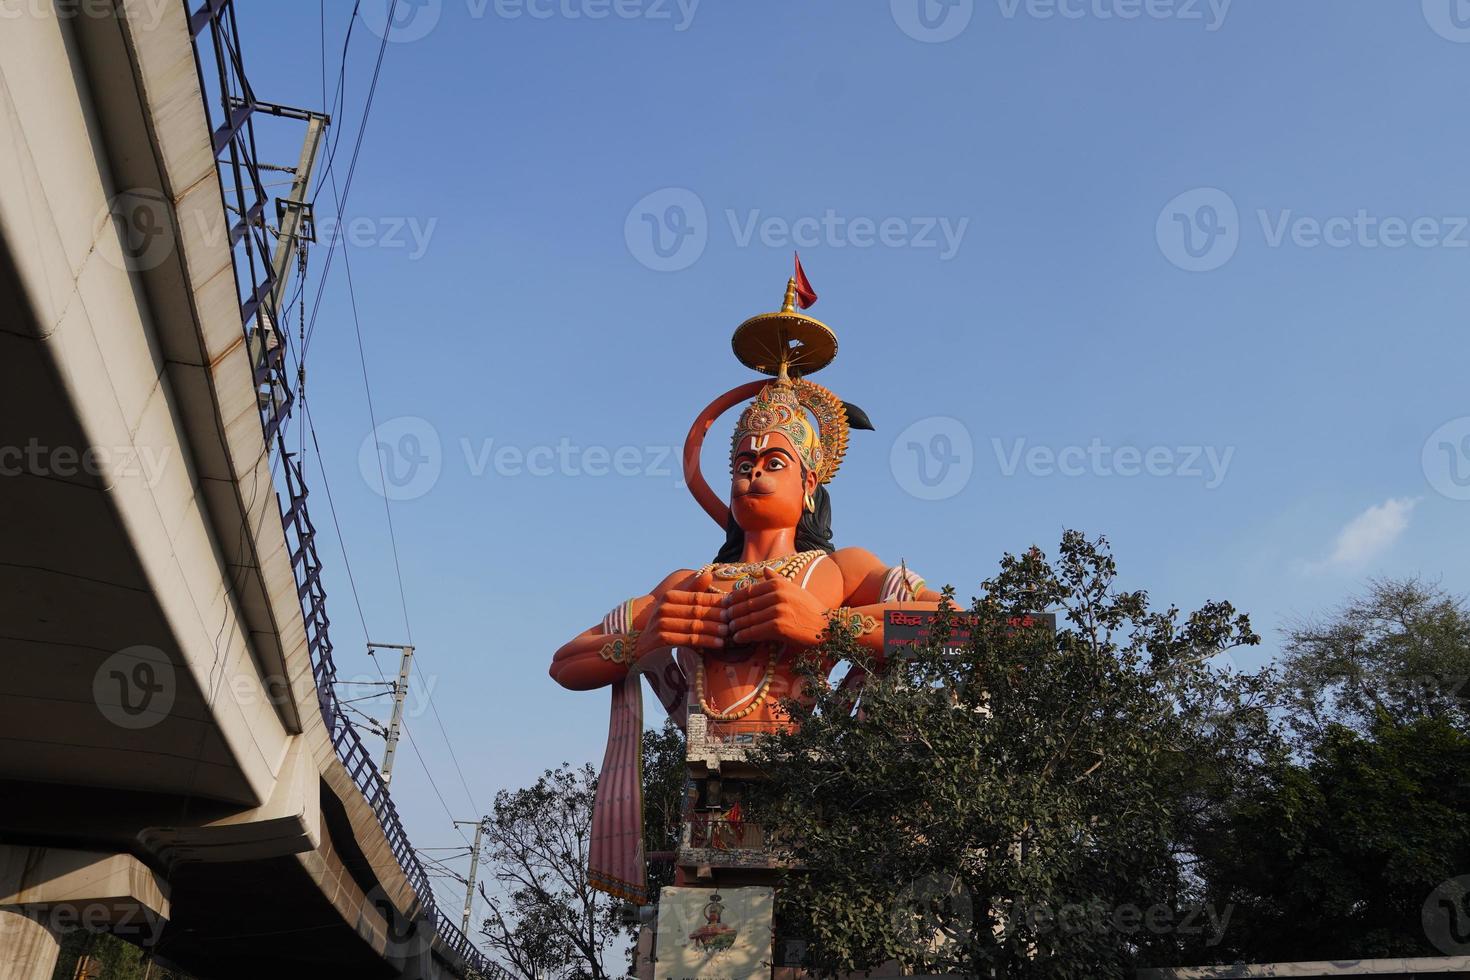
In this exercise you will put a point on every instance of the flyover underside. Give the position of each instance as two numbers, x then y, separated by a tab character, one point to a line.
262	919
140	514
72	597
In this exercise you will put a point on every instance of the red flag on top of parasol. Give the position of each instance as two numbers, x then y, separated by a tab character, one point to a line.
805	294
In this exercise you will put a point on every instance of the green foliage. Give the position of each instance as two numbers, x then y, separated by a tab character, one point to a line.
545	919
1401	649
1336	853
665	776
1009	809
108	958
1335	859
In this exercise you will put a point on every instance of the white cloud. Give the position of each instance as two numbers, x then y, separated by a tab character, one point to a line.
1368	535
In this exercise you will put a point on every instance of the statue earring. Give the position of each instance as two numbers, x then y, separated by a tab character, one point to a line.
811	505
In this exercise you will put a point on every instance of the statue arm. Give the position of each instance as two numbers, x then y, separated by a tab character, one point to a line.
598	658
872	588
580	666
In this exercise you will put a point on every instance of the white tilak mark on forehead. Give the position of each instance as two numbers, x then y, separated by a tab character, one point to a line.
759	443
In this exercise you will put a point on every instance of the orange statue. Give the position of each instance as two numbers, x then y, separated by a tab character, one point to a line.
737	626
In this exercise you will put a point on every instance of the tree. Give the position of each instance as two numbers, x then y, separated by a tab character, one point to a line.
1401	649
1014	808
665	778
1339	851
1336	859
548	920
107	957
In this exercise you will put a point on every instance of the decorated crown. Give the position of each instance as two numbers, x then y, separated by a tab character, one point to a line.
783	407
788	345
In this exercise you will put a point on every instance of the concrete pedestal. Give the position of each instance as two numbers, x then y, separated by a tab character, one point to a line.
28	949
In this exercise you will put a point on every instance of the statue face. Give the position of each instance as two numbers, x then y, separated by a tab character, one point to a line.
767	487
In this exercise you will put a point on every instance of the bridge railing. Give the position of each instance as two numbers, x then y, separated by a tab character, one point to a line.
229	98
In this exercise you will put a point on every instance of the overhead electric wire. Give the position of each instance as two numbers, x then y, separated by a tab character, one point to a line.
445	732
373	421
332	507
448	812
341	201
339	89
347	564
388	515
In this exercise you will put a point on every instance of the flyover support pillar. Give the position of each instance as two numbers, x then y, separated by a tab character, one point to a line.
45	891
28	947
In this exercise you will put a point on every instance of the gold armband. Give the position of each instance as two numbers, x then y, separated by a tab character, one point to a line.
857	624
621	650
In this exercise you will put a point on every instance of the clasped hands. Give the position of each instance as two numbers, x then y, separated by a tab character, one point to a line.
773	610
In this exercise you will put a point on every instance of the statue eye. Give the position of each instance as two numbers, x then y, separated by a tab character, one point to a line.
743	468
775	463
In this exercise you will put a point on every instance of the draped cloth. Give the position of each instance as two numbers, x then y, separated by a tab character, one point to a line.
617	863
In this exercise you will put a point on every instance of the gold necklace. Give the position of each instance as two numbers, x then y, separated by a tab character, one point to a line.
744	575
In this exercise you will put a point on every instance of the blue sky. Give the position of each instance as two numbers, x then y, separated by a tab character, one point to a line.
1220	247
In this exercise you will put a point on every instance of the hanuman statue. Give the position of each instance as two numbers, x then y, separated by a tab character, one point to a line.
734	629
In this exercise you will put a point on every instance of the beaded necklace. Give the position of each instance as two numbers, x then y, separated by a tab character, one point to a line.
744	575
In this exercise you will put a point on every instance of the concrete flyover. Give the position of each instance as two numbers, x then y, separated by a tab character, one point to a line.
171	768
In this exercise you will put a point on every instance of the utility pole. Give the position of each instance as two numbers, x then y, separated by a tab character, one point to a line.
293	210
297	226
400	694
469	890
